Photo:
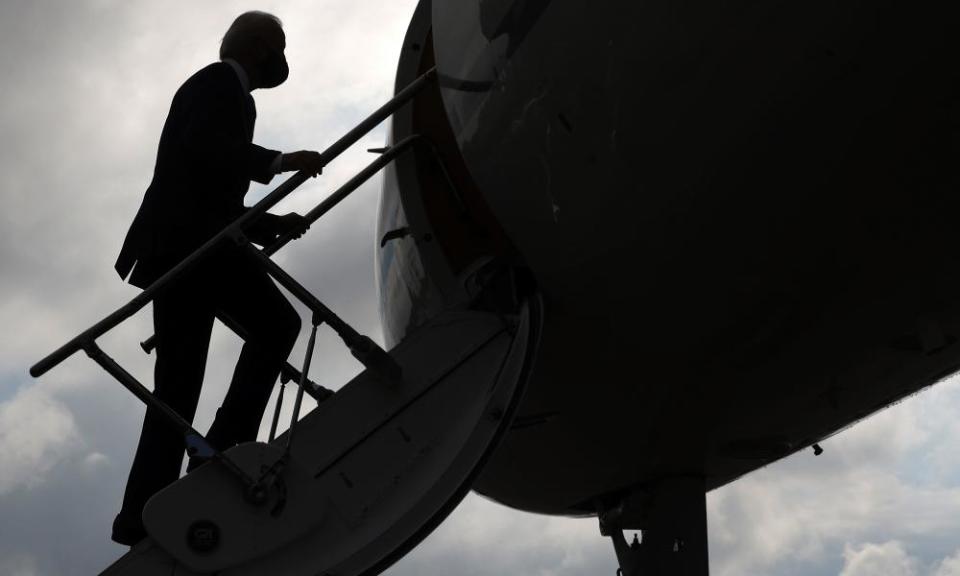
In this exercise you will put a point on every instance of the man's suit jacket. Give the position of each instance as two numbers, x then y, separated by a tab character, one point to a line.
205	162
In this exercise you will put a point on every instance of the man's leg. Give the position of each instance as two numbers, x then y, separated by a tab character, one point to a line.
182	323
255	303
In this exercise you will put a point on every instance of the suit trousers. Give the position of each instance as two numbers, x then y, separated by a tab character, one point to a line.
234	284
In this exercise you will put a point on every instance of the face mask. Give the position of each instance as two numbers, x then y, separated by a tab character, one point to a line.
275	70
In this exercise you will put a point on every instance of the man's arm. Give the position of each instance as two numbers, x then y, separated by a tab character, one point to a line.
270	226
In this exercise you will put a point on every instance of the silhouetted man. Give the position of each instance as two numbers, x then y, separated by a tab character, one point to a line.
205	162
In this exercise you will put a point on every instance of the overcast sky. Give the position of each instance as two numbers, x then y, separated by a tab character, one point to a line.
85	90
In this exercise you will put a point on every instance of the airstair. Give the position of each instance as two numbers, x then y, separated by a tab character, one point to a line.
360	480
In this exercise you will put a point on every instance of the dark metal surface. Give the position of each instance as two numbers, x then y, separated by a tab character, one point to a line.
747	207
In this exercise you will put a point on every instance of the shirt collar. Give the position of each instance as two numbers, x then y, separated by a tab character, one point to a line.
241	73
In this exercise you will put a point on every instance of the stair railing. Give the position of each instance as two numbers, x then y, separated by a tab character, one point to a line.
362	347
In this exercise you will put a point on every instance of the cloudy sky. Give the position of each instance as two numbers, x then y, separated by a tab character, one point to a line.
85	89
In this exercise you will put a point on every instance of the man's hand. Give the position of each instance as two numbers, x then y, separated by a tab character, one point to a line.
293	224
302	161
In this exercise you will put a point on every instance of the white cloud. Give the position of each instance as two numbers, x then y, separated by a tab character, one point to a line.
19	565
36	432
95	460
873	483
888	559
893	559
949	566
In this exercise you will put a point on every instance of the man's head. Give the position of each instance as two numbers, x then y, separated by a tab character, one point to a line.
256	41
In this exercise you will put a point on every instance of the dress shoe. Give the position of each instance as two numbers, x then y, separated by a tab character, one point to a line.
127	529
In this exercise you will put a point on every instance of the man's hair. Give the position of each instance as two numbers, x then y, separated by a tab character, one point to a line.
244	29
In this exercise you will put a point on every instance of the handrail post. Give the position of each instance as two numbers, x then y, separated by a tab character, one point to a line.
362	347
276	411
139	390
308	357
195	441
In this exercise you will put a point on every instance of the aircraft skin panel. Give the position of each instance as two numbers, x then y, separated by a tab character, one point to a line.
408	296
739	215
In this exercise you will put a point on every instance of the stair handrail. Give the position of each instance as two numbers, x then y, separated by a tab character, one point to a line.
232	230
387	155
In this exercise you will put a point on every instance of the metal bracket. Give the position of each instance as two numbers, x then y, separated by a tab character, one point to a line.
198	447
671	515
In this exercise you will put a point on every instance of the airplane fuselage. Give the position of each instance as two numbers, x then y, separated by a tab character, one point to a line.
739	216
